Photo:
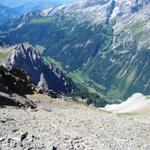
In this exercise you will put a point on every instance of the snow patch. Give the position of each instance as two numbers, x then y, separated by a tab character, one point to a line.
46	12
137	103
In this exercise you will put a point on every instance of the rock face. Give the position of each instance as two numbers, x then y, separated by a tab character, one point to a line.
14	84
25	57
102	44
15	81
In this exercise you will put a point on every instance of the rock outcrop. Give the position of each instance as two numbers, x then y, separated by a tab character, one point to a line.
16	81
14	84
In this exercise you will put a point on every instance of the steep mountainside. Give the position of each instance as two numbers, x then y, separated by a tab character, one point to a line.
103	44
23	56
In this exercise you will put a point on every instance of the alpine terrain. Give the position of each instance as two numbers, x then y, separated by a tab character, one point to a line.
102	44
75	75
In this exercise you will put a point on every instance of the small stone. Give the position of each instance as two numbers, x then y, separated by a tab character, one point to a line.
15	130
55	148
2	139
24	136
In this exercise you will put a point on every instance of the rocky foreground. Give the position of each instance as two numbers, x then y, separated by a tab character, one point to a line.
66	125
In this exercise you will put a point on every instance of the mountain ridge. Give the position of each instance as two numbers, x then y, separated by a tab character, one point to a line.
23	56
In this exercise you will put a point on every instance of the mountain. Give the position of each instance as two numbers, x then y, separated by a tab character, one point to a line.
40	4
102	44
10	9
44	76
7	13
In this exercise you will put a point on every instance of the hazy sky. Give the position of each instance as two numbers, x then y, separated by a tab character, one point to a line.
15	3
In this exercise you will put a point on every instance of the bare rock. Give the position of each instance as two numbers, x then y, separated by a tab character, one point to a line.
16	100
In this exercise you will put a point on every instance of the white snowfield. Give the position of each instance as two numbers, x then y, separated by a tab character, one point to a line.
137	103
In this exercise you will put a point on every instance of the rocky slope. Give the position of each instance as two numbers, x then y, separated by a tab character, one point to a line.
44	76
65	125
102	44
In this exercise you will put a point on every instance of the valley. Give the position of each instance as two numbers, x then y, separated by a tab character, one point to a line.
102	46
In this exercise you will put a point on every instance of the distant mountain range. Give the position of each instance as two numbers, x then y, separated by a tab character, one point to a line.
12	8
103	45
7	13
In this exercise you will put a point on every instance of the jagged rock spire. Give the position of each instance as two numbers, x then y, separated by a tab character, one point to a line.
42	84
